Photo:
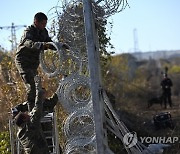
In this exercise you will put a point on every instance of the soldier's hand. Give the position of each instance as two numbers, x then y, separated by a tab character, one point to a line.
65	46
45	46
48	46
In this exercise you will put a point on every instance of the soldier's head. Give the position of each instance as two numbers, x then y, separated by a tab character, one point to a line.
165	75
21	118
40	20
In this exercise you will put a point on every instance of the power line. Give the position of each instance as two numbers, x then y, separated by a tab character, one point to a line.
13	29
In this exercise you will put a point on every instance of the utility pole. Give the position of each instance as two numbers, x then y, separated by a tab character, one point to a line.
13	34
95	75
136	46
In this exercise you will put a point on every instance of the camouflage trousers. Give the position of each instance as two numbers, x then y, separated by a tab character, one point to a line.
28	78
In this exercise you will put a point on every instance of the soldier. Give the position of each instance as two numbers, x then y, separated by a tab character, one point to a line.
166	85
27	55
48	104
30	131
34	40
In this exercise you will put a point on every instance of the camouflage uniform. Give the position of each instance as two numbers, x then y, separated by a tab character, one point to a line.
30	134
27	58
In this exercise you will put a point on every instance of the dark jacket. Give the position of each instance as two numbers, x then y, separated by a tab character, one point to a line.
27	55
166	85
30	133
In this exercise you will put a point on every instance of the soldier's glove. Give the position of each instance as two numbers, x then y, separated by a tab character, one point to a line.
45	46
48	46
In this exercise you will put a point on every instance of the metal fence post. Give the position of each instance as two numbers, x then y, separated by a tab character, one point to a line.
95	77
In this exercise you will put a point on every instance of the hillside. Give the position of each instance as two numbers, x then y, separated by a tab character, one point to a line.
133	82
156	54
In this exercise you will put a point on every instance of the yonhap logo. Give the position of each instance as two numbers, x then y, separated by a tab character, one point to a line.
158	140
130	139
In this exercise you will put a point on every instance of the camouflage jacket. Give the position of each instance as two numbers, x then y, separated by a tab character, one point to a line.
27	54
30	134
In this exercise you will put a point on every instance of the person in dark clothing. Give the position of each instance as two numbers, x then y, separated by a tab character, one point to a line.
30	131
34	40
27	54
166	85
48	105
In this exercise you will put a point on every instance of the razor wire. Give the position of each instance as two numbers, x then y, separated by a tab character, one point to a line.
109	7
74	91
69	12
75	96
59	61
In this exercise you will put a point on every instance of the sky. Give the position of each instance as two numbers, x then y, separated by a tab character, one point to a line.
152	24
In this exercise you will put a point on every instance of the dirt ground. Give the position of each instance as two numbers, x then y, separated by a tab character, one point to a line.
139	118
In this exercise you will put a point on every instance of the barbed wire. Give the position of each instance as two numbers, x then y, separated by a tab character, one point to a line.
112	6
75	96
74	93
67	21
109	7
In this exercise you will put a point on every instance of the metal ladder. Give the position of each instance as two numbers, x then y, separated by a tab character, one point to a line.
49	127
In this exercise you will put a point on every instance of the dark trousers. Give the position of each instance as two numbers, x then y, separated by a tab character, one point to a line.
167	98
28	78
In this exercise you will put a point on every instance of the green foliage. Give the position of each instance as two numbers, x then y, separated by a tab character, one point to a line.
174	69
4	143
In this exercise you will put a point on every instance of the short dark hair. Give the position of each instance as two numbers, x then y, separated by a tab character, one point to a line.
40	16
19	119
